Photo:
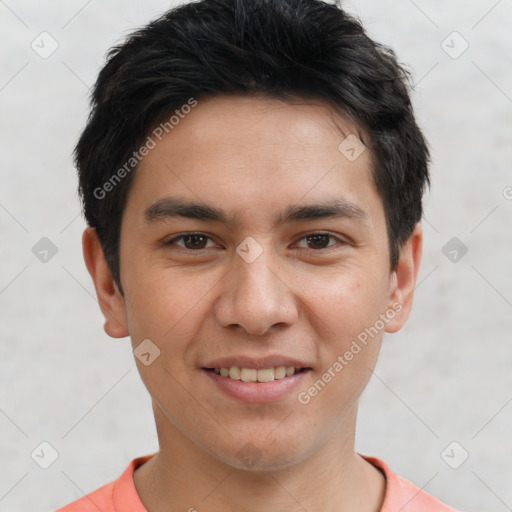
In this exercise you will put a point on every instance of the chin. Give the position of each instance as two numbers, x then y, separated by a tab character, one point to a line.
250	458
259	453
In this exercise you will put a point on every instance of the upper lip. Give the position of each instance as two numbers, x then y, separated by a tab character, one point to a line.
255	363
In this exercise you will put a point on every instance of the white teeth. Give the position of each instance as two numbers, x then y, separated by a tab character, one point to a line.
279	372
254	375
249	374
234	373
266	375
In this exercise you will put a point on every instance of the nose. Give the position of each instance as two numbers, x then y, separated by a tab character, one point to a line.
256	297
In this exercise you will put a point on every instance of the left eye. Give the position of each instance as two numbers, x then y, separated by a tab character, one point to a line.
198	241
191	241
319	240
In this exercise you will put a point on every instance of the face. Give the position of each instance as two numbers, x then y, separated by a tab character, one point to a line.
282	262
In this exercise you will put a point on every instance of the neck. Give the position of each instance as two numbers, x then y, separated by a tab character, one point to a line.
182	476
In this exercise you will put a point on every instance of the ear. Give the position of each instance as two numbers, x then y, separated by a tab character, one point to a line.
403	280
109	297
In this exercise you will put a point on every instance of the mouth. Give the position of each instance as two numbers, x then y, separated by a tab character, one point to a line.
254	379
260	385
257	374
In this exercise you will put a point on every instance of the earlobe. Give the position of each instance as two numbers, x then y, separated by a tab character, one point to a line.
403	280
109	298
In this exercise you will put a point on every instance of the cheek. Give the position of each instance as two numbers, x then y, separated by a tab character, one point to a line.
345	312
346	301
162	301
169	308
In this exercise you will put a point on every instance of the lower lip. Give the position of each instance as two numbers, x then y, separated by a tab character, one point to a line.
257	392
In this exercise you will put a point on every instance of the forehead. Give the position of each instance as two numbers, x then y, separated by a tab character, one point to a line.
237	122
253	154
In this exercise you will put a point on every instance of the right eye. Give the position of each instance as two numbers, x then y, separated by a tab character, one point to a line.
191	241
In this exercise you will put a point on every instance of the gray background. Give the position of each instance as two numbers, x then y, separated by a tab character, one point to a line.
445	377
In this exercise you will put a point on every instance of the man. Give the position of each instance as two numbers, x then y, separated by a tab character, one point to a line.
252	177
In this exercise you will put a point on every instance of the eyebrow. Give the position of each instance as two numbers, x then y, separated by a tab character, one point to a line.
170	207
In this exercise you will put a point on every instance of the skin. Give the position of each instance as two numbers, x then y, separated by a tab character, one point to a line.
254	157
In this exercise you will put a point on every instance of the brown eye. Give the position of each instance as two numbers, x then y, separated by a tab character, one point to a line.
318	241
191	241
194	241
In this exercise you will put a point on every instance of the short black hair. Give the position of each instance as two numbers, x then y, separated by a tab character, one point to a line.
281	49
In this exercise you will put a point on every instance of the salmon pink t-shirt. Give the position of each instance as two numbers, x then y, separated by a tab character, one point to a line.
121	496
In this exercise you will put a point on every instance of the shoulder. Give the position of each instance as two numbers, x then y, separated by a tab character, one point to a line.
100	499
403	495
118	495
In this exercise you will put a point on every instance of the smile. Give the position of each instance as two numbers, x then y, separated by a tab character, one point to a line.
257	375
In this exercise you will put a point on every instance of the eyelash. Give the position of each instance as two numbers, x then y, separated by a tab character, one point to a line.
338	239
